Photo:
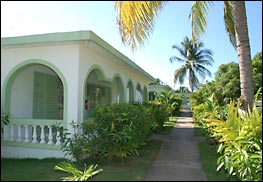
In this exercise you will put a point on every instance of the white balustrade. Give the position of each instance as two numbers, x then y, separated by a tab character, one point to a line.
28	134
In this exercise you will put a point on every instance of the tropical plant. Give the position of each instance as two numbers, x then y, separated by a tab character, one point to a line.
122	129
158	113
76	174
75	145
170	100
195	58
257	71
240	138
5	119
136	21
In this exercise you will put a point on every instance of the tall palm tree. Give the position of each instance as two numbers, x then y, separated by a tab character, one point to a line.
195	58
136	21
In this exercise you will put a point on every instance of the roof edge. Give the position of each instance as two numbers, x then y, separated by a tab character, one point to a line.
72	36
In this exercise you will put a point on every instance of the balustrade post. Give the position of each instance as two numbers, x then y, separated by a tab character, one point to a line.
50	136
58	137
12	132
26	134
19	139
42	136
34	134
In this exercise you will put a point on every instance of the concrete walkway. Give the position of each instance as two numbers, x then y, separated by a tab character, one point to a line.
178	158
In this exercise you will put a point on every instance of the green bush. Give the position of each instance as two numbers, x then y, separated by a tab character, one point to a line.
171	101
158	114
122	129
240	137
76	145
118	130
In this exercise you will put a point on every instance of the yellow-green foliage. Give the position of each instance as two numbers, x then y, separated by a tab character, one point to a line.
76	174
240	138
238	125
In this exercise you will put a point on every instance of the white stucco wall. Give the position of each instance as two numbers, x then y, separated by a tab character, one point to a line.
65	57
74	60
110	65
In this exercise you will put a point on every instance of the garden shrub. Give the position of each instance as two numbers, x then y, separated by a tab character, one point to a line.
171	101
240	138
238	135
157	113
123	128
76	145
118	130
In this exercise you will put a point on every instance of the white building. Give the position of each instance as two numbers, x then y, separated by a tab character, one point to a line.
57	77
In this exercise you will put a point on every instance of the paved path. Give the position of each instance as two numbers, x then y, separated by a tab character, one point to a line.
178	158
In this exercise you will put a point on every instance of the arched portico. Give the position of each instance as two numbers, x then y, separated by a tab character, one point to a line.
130	92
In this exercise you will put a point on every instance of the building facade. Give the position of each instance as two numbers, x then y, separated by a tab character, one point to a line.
49	80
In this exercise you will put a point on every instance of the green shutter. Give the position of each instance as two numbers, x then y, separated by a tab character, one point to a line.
52	97
39	109
45	99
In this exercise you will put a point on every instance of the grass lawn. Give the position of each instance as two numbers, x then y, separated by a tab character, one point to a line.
30	170
209	157
133	169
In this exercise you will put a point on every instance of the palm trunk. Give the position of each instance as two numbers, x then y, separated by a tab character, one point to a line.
243	50
190	80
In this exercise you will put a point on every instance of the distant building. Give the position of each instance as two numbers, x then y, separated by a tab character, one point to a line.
153	89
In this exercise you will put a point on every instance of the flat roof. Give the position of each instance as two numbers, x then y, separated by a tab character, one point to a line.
72	36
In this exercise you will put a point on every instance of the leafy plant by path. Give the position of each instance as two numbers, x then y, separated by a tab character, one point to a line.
76	174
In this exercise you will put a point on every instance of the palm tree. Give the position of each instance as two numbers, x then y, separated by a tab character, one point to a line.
136	21
195	59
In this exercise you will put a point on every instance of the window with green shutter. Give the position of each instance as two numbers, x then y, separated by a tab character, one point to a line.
47	102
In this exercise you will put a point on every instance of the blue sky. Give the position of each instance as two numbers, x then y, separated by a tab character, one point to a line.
172	25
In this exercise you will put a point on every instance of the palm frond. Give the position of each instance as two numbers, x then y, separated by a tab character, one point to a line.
136	20
175	58
193	80
179	74
181	50
202	71
229	23
197	17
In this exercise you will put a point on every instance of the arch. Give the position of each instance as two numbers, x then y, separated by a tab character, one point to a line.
14	72
130	91
138	93
96	91
99	72
117	89
145	94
